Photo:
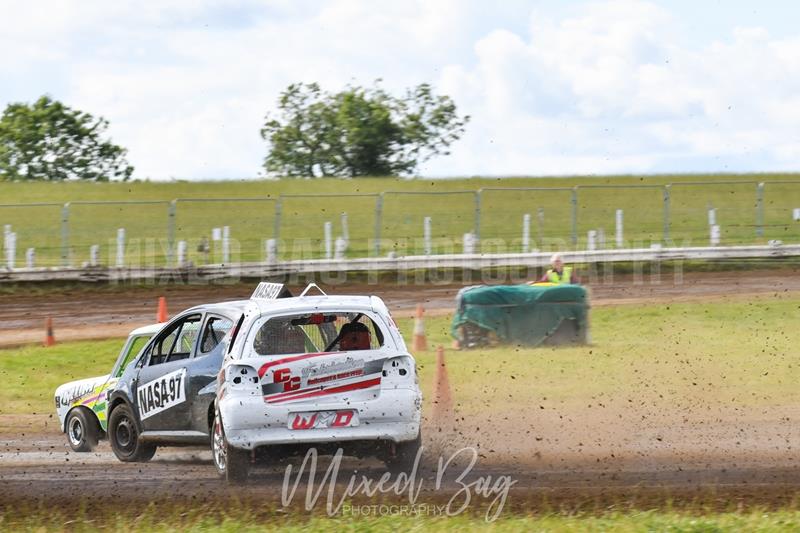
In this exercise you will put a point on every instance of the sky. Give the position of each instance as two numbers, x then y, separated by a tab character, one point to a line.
553	87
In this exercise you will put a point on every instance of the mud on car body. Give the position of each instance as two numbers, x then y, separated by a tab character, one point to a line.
166	396
81	405
319	371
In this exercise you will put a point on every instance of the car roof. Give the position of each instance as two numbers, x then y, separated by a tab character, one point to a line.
291	304
150	329
312	303
227	308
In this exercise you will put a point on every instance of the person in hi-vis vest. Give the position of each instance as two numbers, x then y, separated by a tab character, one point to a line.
559	274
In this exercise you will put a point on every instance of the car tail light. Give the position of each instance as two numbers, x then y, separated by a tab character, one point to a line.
399	371
242	378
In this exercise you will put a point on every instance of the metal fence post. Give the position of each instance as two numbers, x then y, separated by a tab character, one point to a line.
477	230
171	212
666	213
378	223
760	209
575	216
65	235
276	232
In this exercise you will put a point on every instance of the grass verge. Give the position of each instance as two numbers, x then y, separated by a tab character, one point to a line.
721	354
244	520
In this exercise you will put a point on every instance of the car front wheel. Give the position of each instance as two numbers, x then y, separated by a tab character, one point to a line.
231	463
124	437
82	430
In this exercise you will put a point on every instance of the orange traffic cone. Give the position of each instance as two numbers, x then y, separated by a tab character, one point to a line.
419	343
442	397
161	316
49	339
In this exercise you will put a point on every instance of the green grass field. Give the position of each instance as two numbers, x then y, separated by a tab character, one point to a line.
34	372
687	353
252	215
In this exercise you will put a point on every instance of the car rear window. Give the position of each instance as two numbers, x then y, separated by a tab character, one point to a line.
316	332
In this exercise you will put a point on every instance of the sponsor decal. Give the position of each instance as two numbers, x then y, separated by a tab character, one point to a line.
321	379
95	398
301	422
161	393
327	372
335	377
284	375
73	393
332	367
266	366
323	419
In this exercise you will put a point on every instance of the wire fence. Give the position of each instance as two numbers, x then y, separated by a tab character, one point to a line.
311	226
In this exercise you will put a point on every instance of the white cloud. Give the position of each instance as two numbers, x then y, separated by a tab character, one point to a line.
611	88
189	100
600	87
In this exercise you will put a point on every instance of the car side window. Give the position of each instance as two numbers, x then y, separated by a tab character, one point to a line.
177	342
215	330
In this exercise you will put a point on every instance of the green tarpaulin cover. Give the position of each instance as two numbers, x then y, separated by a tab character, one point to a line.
522	314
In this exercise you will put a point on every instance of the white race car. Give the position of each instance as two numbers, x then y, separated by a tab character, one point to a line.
82	405
319	371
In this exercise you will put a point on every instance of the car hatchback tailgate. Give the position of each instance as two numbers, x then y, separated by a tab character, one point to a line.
319	377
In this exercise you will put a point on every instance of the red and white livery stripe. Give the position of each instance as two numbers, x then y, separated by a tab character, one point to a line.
323	390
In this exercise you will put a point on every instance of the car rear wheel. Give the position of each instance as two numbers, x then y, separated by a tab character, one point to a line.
402	456
231	463
82	430
124	437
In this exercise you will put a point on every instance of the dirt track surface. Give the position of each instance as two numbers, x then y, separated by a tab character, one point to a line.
621	456
621	469
79	315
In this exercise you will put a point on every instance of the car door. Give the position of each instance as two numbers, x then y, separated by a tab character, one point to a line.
203	368
162	393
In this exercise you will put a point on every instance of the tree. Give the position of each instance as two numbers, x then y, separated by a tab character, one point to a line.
358	131
48	141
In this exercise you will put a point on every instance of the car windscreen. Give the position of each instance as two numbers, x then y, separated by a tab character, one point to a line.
134	347
313	333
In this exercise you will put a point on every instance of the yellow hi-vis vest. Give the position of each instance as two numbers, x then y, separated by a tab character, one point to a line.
565	277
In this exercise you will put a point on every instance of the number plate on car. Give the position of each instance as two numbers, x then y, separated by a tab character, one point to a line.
323	419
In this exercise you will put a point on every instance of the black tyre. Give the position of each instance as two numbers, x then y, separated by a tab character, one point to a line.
82	429
231	463
402	456
124	437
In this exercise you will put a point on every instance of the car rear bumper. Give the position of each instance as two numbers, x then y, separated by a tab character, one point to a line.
250	423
